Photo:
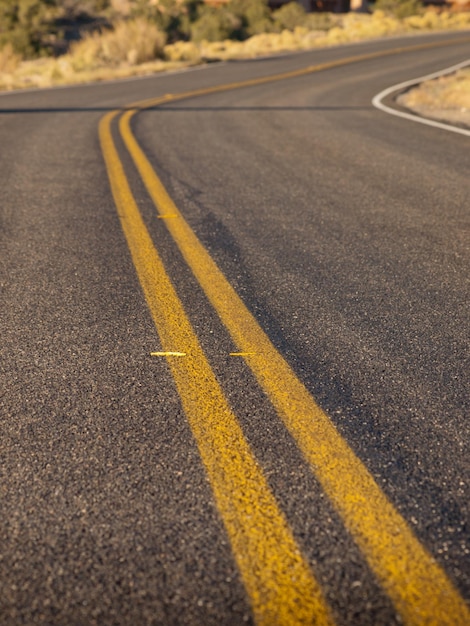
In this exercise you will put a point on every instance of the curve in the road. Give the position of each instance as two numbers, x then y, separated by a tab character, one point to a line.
418	587
377	100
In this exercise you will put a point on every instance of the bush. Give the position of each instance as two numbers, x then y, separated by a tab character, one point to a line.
254	15
400	8
171	16
289	16
132	42
28	25
9	59
215	24
37	28
319	21
183	51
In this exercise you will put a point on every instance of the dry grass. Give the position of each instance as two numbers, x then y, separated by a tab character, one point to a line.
9	60
452	92
129	43
133	47
447	97
137	48
43	73
183	51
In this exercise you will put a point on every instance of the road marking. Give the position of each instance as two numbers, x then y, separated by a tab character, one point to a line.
417	585
377	101
311	69
242	353
168	354
280	585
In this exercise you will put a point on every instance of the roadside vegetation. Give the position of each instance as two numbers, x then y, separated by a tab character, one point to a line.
447	98
53	42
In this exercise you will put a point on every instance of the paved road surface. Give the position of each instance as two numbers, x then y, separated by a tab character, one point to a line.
211	488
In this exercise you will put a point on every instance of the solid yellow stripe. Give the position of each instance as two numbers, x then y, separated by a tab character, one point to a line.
419	588
311	69
281	588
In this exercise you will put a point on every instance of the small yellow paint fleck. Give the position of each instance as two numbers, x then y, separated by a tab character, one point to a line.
242	353
277	577
168	354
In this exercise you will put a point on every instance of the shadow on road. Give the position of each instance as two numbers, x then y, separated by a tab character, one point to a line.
162	108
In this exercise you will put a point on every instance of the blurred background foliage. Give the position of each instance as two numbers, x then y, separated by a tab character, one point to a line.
400	8
35	28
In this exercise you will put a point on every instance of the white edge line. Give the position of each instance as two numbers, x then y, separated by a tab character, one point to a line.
377	100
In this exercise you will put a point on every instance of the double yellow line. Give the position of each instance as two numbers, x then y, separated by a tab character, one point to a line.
280	584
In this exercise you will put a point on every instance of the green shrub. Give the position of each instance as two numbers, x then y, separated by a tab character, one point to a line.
215	24
28	25
171	16
319	21
254	15
400	8
289	16
18	39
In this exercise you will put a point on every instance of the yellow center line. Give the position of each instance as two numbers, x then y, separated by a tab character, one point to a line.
279	583
304	71
419	588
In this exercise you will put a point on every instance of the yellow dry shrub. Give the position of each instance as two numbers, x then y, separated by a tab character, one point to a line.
430	20
299	39
353	20
287	40
462	20
444	17
388	26
214	49
446	92
182	51
300	32
336	35
378	15
311	39
259	44
129	42
356	27
9	59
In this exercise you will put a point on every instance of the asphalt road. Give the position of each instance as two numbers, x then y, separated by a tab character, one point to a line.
344	232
